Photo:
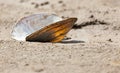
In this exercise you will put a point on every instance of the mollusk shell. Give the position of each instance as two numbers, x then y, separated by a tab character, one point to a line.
42	28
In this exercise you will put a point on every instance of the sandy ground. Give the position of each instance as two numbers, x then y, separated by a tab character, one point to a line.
93	48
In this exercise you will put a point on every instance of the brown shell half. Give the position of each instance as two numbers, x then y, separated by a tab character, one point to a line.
54	32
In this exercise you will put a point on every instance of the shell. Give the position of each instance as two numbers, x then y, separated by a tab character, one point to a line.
42	28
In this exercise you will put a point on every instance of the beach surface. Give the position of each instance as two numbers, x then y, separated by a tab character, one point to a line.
94	46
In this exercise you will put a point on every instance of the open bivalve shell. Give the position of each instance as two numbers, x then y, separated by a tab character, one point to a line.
42	28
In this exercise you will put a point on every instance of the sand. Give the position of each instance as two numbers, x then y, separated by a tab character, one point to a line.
93	47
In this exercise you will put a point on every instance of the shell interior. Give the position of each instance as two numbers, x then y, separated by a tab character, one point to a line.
31	24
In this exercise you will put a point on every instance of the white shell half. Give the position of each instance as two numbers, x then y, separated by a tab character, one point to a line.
30	24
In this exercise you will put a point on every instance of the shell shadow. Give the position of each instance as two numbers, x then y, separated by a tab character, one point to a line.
72	41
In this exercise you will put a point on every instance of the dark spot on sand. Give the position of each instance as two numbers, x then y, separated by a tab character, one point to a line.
110	40
27	64
114	10
70	56
90	11
44	3
27	13
21	43
92	16
116	28
88	23
60	2
39	70
78	7
63	5
64	17
22	1
36	5
52	6
5	27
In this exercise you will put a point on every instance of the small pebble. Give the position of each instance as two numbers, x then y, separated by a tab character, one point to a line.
92	16
110	40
